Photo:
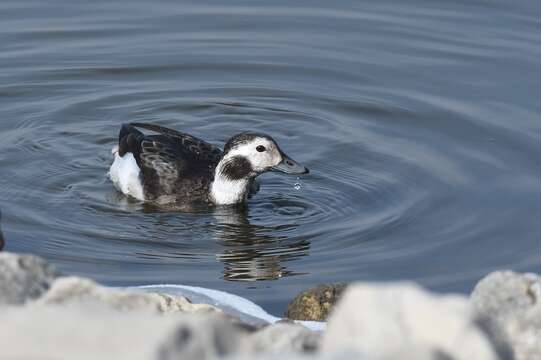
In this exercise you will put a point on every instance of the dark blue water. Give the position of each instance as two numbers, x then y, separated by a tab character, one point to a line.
420	122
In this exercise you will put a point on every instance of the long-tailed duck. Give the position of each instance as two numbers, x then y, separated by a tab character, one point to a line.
174	167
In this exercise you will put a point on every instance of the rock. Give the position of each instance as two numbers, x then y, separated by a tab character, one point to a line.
513	302
237	307
23	277
208	337
70	317
412	354
69	290
316	303
284	337
380	320
293	356
85	331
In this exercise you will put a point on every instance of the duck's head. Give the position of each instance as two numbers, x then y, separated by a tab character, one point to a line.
250	154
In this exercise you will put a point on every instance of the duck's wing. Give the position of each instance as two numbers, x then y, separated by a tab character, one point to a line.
167	156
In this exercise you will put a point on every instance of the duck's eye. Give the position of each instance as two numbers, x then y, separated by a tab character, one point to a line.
260	148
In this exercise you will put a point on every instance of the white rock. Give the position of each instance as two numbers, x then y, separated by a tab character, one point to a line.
204	337
294	356
23	277
69	290
412	354
513	301
95	332
383	319
284	338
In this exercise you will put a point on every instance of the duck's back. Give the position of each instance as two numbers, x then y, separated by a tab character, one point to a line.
173	166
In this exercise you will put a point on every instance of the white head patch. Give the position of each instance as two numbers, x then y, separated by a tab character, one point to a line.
262	153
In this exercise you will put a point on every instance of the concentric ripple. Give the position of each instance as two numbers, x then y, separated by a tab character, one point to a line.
419	122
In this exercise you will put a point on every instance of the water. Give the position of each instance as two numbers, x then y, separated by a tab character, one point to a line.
298	185
420	122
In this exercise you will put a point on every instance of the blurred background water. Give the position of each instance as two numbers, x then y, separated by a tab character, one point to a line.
419	121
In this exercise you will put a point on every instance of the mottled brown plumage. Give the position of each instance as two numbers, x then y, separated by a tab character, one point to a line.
173	164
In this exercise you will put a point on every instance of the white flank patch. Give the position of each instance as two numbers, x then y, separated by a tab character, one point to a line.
124	173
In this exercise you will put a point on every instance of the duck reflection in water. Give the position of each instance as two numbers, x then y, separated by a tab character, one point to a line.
250	251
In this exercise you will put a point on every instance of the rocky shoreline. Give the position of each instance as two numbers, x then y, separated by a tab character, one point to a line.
45	315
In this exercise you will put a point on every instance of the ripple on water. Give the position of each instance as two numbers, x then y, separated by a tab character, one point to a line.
422	139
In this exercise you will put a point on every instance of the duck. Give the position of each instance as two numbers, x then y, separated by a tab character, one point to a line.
169	166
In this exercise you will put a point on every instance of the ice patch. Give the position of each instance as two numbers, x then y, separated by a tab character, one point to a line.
231	304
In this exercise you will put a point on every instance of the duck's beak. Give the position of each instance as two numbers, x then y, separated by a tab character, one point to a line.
290	166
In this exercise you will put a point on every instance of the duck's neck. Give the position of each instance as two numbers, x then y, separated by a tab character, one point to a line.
232	179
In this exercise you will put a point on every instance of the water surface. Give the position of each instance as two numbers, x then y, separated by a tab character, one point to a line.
420	123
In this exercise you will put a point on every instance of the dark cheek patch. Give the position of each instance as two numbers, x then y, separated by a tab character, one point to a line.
237	168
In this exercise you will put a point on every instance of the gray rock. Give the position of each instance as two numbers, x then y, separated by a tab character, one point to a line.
23	277
70	290
207	337
316	303
385	320
513	302
284	338
411	354
348	355
85	331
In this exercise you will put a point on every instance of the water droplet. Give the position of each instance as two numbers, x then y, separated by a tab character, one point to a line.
297	184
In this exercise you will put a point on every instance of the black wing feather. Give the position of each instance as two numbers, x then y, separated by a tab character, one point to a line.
193	147
170	159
